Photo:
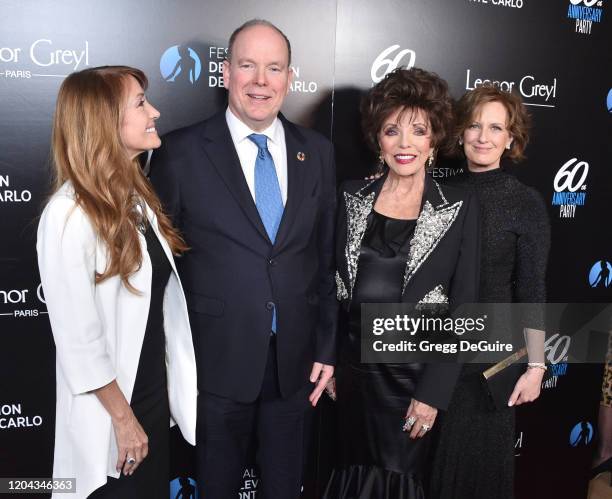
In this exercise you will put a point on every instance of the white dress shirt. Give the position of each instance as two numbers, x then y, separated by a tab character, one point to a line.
247	150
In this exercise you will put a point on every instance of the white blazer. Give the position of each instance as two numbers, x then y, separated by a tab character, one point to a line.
98	332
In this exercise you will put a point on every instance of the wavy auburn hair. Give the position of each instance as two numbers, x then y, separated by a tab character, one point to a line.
518	121
109	186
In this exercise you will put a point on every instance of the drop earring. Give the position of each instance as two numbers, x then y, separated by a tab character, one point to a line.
430	159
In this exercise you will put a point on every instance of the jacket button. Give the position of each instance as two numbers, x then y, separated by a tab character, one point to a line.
272	262
270	305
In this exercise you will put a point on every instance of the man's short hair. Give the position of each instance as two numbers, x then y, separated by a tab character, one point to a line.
256	22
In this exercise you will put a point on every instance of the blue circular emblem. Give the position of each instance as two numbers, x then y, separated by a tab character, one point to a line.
581	434
185	486
180	63
600	274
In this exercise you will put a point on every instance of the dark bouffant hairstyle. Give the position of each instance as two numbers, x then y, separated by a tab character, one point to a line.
518	123
409	90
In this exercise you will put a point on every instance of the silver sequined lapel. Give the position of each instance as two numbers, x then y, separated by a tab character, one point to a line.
434	301
357	210
431	226
341	292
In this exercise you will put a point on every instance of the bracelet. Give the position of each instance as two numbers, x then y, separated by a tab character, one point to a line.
536	365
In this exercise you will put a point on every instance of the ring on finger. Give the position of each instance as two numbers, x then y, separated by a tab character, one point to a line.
130	460
425	428
409	423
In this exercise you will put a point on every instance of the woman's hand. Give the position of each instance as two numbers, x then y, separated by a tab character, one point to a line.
330	389
132	443
320	374
422	417
527	388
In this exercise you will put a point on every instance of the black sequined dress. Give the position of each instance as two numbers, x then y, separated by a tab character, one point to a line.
474	458
378	460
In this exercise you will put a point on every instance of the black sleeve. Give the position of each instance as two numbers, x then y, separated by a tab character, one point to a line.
532	249
438	382
325	351
464	286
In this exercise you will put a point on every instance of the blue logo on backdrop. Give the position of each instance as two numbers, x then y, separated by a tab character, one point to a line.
570	187
581	434
585	13
600	275
183	488
609	101
180	63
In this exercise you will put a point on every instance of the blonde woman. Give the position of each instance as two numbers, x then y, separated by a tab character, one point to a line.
125	359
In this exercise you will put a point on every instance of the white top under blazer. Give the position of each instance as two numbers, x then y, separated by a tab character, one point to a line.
98	331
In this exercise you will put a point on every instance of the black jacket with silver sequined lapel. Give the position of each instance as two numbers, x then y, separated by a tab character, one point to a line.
442	265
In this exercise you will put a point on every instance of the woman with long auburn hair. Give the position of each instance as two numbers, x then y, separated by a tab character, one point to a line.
125	358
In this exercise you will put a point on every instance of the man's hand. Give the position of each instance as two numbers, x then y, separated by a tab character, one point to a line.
320	374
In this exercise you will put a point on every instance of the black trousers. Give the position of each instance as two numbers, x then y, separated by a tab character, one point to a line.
225	431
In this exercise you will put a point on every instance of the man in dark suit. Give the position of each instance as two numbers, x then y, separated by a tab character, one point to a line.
254	196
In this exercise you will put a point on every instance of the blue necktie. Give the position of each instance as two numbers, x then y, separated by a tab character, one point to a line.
268	197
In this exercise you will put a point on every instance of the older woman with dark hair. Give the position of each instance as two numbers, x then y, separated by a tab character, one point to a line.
401	238
475	454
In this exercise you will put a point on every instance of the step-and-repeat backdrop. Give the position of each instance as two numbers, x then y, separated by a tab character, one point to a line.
555	53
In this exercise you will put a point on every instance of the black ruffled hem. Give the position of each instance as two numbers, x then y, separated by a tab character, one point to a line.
372	482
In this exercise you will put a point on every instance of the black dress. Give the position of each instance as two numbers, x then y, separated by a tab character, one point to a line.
475	455
150	396
377	459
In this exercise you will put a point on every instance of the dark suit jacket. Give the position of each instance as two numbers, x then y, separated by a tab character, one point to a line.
233	275
442	266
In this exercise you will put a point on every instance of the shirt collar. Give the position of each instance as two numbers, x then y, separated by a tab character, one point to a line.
240	131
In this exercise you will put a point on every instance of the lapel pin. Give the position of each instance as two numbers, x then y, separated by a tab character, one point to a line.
301	156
